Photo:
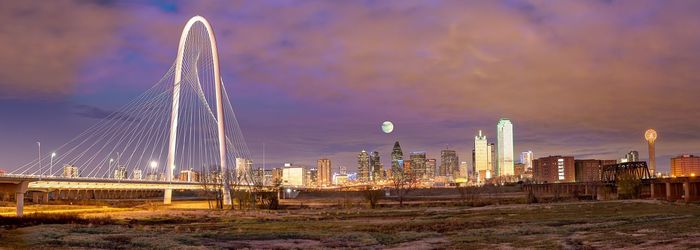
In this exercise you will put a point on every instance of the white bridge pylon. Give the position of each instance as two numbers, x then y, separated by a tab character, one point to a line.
184	124
176	106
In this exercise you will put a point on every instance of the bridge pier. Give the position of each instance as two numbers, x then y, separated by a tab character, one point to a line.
168	196
19	188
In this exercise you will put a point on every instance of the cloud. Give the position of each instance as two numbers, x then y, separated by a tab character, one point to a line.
45	43
576	77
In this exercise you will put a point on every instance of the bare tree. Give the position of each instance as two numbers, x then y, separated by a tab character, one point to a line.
372	196
403	182
211	185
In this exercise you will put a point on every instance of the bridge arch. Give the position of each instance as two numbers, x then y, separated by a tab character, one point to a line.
218	89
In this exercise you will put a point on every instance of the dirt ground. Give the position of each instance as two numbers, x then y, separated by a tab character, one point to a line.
190	225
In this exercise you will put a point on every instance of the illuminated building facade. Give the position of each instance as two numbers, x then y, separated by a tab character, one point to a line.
376	167
430	166
449	162
463	169
189	176
589	169
685	165
418	164
396	156
294	176
492	159
526	158
505	164
324	172
363	166
553	169
481	156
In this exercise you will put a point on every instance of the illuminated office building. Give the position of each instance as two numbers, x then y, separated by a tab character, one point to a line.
505	164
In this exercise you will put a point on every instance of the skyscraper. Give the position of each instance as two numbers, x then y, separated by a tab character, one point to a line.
375	166
526	158
363	166
430	165
492	159
418	164
504	130
463	166
449	162
481	155
324	172
396	155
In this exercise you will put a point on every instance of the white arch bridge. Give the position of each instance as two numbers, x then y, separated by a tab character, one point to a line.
181	133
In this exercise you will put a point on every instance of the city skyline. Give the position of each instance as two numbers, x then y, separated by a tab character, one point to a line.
277	111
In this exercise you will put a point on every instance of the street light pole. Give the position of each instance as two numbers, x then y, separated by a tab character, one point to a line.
109	167
40	168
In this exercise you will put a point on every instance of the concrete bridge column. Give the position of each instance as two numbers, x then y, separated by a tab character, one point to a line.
19	197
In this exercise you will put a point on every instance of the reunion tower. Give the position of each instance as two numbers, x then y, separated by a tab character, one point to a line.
650	136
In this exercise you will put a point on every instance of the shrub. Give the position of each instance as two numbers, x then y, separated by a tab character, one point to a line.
53	218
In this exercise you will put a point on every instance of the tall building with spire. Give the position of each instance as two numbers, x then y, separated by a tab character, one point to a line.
396	158
363	166
504	130
481	155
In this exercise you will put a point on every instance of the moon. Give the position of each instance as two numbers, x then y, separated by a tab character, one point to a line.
387	127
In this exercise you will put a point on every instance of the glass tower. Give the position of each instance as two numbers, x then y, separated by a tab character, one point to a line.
504	130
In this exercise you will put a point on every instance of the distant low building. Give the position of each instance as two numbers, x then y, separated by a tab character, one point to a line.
70	171
553	169
589	169
340	179
189	175
294	176
685	165
519	169
137	174
120	173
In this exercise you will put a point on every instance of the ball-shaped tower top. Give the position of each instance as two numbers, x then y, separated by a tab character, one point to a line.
650	135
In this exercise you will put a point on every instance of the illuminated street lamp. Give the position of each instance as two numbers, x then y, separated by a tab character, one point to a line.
51	165
154	165
109	167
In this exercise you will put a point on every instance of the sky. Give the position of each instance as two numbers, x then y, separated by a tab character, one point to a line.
316	79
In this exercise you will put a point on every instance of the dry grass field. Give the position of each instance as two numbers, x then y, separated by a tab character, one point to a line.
188	225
